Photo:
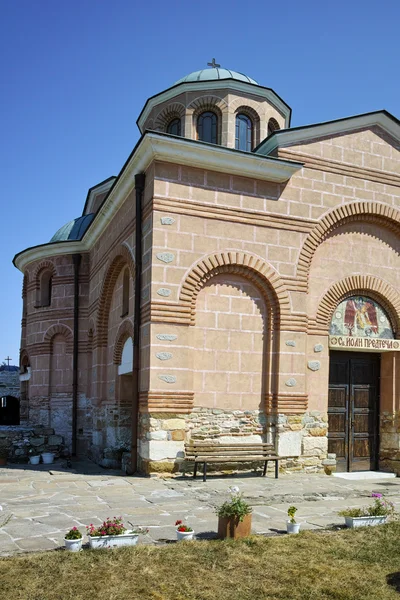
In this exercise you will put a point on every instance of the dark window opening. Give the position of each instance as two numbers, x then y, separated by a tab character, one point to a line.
244	133
9	410
174	127
207	124
46	281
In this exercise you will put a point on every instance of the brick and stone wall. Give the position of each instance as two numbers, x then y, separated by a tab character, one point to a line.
20	441
240	280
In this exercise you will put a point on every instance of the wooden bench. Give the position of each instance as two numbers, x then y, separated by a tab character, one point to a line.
208	452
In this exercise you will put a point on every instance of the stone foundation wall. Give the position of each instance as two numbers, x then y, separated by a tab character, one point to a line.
389	451
301	438
20	440
9	383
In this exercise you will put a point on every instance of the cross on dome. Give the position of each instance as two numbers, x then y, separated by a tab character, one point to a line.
213	64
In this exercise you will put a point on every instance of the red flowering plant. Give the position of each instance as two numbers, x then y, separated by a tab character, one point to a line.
110	526
113	526
73	534
181	527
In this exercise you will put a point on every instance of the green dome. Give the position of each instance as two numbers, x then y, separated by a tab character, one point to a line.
73	230
215	73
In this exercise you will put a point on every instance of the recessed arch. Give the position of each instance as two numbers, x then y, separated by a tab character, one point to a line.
43	265
203	103
58	329
175	110
124	332
273	125
120	258
254	116
371	212
247	265
380	291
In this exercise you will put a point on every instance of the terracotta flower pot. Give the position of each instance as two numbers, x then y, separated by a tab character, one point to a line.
3	461
233	528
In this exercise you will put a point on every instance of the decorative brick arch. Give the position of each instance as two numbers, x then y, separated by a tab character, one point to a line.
176	110
255	118
207	102
44	265
371	212
246	265
119	258
54	330
380	291
23	359
125	331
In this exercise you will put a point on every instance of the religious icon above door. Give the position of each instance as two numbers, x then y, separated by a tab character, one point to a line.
360	316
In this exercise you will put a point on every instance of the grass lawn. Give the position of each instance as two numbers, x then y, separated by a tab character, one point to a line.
342	565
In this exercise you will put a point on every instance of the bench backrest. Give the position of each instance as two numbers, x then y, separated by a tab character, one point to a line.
210	449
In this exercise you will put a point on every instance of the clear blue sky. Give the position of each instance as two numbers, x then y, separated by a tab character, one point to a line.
76	73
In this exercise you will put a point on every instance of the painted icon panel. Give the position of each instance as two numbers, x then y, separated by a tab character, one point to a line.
360	316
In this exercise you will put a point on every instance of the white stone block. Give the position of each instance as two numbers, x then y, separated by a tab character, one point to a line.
157	435
315	445
161	450
289	443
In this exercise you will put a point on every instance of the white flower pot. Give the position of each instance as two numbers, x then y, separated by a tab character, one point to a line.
292	527
47	457
34	460
113	541
73	545
184	535
365	521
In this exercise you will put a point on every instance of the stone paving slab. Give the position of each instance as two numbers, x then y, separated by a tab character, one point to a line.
46	502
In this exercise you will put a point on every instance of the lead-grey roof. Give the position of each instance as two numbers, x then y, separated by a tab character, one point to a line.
215	73
74	230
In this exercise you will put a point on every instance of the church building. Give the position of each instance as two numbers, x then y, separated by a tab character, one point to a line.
238	281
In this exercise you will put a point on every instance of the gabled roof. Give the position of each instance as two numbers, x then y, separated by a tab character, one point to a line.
298	135
99	188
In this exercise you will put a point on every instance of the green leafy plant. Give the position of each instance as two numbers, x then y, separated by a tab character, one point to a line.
292	510
73	534
3	452
380	508
235	508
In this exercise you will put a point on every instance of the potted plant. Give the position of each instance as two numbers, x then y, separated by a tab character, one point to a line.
112	534
73	540
47	458
34	456
376	514
291	525
234	516
183	532
3	456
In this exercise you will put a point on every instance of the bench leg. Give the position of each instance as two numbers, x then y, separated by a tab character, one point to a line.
276	469
195	470
205	472
265	468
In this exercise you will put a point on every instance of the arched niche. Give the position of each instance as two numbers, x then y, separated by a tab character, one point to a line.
125	367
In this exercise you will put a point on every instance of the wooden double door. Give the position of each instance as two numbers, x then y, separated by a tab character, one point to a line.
353	410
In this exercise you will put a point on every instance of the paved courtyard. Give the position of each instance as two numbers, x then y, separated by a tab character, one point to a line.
45	501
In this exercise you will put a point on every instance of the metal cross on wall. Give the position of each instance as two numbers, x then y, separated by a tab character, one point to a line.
8	359
213	64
